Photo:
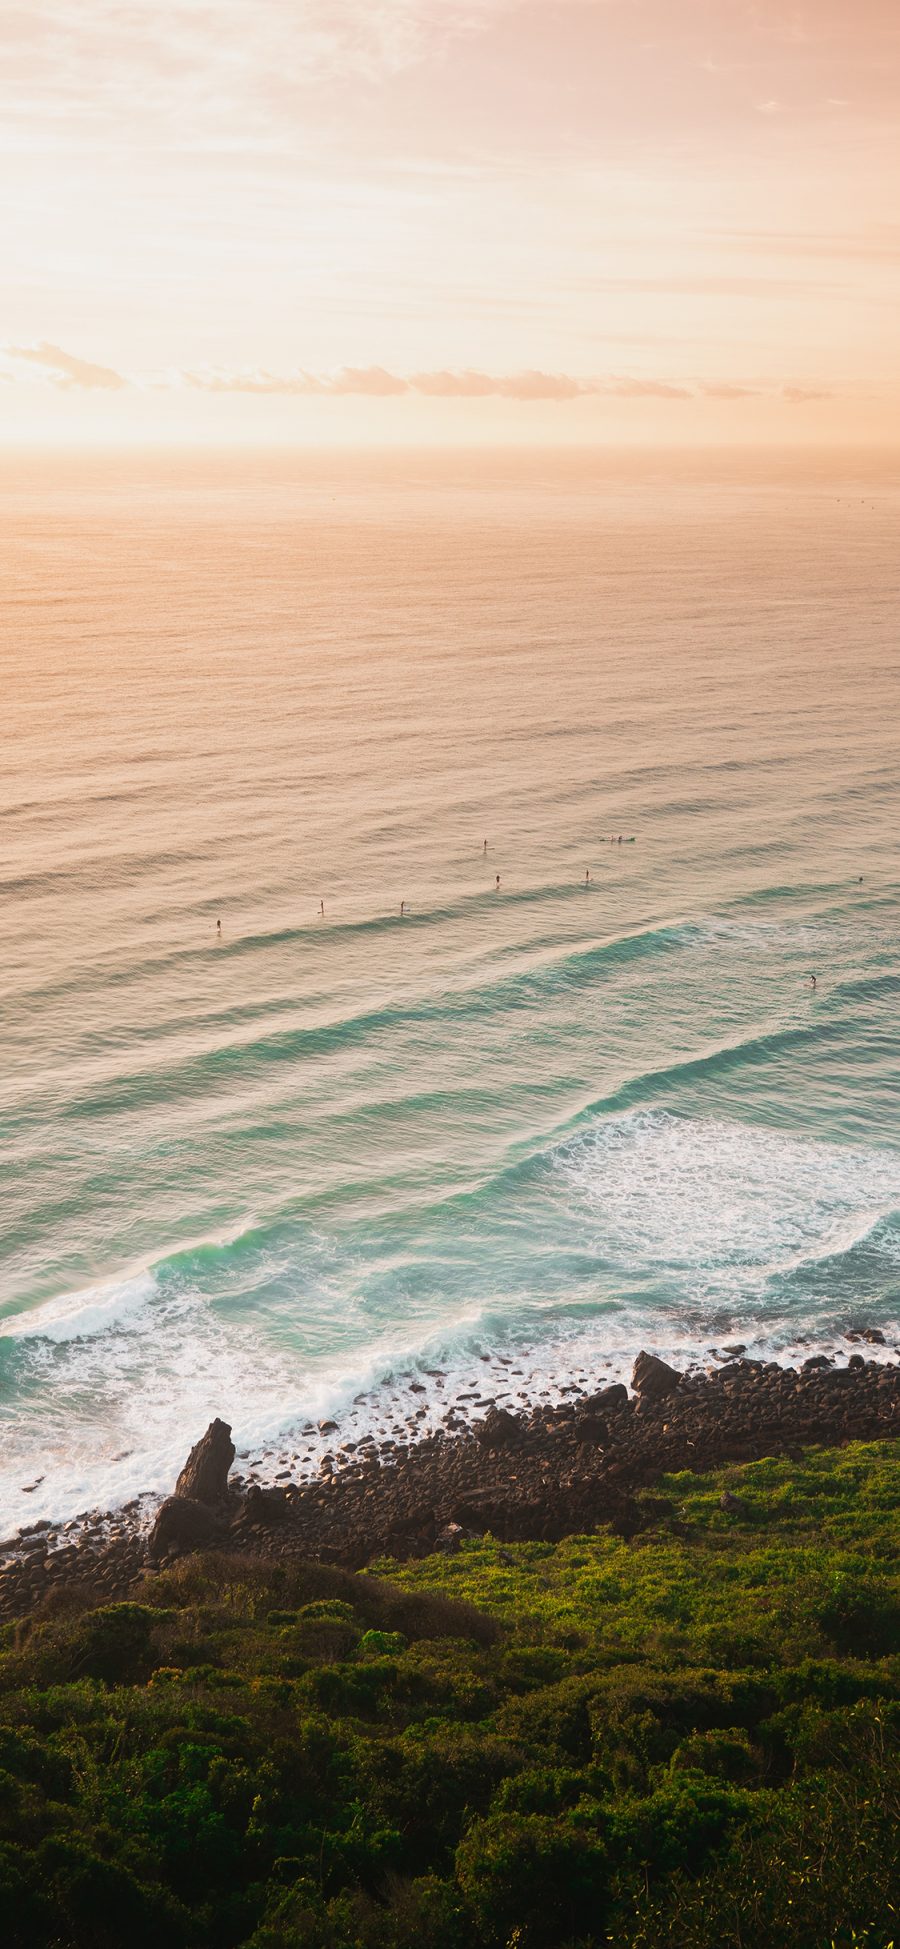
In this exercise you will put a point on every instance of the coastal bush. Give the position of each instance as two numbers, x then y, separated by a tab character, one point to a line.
691	1738
537	1880
861	1616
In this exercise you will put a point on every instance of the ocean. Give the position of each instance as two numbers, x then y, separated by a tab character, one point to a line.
337	1162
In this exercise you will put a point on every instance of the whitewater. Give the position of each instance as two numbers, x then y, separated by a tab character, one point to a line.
327	1161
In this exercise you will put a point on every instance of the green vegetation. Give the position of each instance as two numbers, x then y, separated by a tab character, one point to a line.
690	1739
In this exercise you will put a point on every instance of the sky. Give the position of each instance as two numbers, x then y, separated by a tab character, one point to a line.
438	221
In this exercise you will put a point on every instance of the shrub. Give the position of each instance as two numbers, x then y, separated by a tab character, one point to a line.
295	1757
723	1755
100	1904
861	1617
534	1878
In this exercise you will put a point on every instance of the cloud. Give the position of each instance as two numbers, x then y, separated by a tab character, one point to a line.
64	369
67	370
717	389
371	380
802	395
376	383
249	382
189	62
517	385
646	389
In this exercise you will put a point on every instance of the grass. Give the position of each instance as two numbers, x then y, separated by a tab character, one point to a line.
688	1739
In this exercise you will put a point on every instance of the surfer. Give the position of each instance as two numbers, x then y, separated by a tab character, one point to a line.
812	980
587	876
497	884
402	908
322	908
218	927
485	846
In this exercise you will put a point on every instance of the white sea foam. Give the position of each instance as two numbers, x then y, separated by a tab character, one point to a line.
692	1223
145	1412
717	1204
112	1303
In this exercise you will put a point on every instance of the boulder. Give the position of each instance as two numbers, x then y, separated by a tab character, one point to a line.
653	1378
181	1524
592	1428
498	1428
204	1477
266	1505
607	1399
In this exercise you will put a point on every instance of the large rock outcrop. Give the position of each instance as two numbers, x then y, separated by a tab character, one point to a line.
653	1378
182	1524
204	1477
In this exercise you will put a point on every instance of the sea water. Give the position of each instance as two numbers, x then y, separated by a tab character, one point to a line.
335	1161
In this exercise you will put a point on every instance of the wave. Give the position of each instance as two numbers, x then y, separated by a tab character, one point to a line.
709	1064
232	1054
862	1227
646	1228
531	987
313	932
866	988
113	1303
711	1203
634	1190
790	893
89	1310
102	871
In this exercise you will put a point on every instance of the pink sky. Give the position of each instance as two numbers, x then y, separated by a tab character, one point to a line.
412	220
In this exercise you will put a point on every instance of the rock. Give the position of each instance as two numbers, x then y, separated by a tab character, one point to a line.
592	1428
815	1361
732	1504
498	1428
449	1538
607	1399
653	1378
204	1477
181	1524
266	1505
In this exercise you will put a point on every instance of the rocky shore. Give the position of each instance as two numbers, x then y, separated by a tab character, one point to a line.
544	1473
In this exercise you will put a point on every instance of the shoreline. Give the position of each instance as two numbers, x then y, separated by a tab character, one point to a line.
411	1393
548	1470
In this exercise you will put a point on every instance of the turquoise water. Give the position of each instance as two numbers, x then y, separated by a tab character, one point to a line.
295	1168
